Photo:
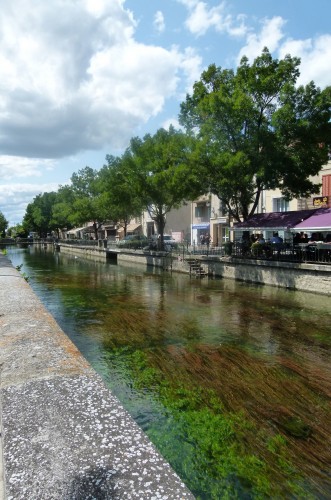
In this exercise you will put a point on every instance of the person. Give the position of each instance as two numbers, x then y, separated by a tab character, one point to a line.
276	238
297	239
261	240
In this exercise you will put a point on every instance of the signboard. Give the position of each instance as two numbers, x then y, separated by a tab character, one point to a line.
321	201
201	226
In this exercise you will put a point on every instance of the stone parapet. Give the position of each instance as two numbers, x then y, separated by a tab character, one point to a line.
63	434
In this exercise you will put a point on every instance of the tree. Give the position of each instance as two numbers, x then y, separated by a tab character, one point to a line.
118	200
62	208
3	225
17	231
159	173
38	214
256	130
86	202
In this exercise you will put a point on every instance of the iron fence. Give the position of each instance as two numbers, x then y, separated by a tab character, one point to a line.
286	252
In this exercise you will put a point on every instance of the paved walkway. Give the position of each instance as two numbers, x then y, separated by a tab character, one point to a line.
64	435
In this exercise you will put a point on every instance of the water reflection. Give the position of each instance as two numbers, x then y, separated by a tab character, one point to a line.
231	381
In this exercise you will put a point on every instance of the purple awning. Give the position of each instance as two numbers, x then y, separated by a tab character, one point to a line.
274	220
319	221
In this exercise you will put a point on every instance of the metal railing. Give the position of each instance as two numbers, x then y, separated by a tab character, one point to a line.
285	252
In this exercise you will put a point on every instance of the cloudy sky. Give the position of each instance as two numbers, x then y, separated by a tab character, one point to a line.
79	78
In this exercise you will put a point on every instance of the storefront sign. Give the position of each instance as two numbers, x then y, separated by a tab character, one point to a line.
200	226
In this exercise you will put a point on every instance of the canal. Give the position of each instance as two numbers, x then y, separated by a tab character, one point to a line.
230	381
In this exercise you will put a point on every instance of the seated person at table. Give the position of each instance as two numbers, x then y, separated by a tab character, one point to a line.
315	237
276	238
297	238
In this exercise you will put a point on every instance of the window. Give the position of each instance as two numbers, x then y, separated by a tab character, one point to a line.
198	211
201	211
280	205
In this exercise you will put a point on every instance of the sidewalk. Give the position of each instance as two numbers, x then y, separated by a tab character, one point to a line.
64	435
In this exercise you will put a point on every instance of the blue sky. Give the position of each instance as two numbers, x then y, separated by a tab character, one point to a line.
79	78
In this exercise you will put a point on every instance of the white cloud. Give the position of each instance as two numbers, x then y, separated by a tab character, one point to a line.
315	58
159	23
172	121
202	18
15	197
270	36
16	166
73	78
315	54
191	66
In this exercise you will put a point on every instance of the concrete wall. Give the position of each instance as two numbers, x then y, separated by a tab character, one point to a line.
314	278
63	434
87	252
305	277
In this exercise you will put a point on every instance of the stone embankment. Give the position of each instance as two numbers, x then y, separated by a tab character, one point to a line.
64	436
305	277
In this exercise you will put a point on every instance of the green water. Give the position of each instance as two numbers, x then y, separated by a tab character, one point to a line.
232	382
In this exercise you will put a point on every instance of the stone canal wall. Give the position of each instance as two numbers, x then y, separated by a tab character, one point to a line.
63	434
314	278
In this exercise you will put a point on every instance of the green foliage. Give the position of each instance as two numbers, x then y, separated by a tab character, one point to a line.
214	455
257	131
24	275
62	208
119	200
3	224
86	190
17	231
160	174
38	215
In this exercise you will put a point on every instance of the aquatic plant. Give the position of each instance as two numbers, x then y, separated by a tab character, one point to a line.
19	267
215	454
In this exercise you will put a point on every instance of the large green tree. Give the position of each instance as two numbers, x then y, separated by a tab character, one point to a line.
118	201
86	203
257	131
3	224
38	214
63	208
159	171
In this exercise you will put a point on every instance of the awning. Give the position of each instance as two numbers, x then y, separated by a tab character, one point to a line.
75	230
273	221
200	226
130	228
319	221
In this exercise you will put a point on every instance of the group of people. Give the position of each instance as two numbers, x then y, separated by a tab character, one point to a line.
205	239
314	238
259	238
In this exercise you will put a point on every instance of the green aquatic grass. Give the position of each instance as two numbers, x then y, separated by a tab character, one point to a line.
215	453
